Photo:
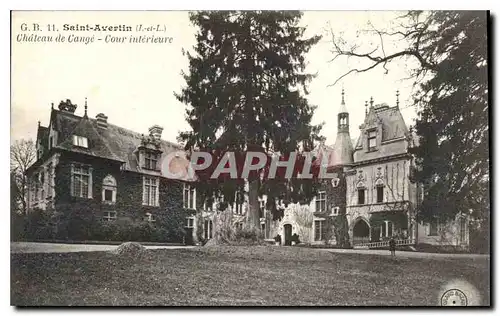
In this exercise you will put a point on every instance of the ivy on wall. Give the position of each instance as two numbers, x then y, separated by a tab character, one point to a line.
78	218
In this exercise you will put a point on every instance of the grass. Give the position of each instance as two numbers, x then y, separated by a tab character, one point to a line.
259	275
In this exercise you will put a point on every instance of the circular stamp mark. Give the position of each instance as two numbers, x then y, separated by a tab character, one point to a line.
453	297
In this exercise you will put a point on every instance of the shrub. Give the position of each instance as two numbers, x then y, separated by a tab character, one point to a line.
277	238
38	225
130	249
247	234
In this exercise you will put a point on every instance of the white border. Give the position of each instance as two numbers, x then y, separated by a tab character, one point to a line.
184	5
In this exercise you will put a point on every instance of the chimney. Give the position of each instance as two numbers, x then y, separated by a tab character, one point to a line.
67	106
102	121
155	131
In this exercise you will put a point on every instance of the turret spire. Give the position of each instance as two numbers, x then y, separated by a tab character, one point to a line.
342	153
397	98
366	107
371	101
85	114
343	108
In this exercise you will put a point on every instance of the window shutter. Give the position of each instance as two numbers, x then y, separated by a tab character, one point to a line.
72	177
90	183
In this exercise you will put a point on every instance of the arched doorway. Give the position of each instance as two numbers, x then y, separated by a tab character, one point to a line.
288	234
361	232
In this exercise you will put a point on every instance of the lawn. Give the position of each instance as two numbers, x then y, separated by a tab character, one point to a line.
264	275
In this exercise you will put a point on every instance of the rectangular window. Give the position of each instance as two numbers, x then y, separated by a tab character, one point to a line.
208	229
380	194
108	195
189	222
150	191
433	228
335	211
319	230
361	196
151	161
372	139
81	179
150	218
321	201
462	229
238	203
80	141
262	208
389	229
50	180
189	197
109	216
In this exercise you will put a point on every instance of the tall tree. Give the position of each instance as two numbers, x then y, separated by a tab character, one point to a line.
452	157
22	155
245	91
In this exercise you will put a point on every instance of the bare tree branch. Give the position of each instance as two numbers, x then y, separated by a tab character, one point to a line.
414	33
22	156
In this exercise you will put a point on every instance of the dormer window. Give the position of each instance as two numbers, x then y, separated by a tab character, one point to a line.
80	141
151	160
372	140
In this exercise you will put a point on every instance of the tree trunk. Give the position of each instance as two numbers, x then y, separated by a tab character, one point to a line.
253	220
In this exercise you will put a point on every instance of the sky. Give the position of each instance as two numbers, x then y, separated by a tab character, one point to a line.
134	84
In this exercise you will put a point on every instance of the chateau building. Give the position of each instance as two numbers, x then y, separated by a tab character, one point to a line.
90	167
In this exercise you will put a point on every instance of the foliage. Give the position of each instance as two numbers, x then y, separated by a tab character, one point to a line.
452	153
341	228
245	92
246	234
277	238
453	156
39	225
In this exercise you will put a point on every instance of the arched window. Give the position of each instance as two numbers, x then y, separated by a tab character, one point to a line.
361	192
379	186
109	189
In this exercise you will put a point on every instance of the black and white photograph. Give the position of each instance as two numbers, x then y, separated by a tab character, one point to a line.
250	158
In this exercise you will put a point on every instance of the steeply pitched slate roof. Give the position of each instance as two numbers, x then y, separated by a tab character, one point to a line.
97	143
114	142
393	124
42	134
342	153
